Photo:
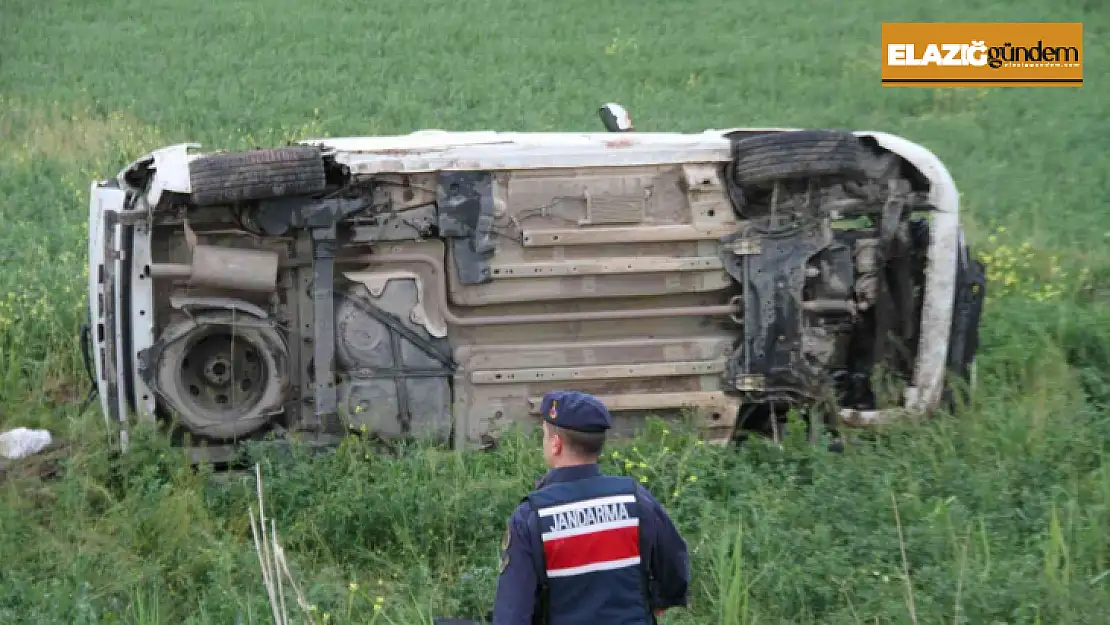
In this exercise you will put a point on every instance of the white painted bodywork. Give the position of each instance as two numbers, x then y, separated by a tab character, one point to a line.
100	200
439	150
106	253
171	167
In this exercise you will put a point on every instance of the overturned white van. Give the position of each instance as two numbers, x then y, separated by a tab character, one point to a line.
436	284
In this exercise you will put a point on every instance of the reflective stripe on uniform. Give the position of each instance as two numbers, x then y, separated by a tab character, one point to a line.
599	534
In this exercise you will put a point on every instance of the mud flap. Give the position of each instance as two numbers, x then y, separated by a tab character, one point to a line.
963	343
87	358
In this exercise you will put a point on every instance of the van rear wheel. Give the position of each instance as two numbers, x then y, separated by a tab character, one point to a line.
256	175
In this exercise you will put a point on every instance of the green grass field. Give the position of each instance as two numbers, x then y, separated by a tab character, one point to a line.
1003	510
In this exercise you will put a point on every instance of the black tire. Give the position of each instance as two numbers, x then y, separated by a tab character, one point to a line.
766	158
256	175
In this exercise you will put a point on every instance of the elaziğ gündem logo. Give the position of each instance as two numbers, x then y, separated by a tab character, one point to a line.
1025	54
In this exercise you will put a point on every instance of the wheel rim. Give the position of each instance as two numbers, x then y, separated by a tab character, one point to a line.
222	374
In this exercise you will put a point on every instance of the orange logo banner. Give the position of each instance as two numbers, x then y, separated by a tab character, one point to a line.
963	54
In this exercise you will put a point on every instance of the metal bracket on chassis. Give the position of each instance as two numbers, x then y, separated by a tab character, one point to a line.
323	304
465	208
768	258
322	219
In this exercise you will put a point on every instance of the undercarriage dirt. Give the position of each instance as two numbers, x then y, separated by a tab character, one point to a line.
436	285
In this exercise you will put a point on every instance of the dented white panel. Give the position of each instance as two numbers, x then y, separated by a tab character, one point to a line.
940	272
100	199
170	166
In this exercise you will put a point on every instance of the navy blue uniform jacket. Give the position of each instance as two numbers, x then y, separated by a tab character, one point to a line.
667	558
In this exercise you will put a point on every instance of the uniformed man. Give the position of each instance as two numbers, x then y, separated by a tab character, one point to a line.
584	547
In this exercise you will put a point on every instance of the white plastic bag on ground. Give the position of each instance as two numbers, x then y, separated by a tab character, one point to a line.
23	442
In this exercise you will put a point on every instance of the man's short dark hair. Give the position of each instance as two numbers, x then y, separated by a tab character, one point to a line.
585	444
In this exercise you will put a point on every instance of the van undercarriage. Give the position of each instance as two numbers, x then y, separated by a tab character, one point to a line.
436	285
